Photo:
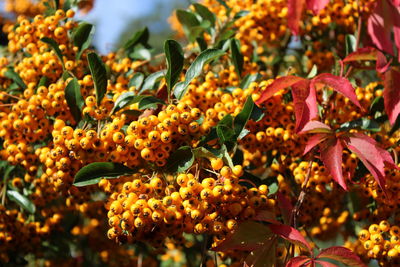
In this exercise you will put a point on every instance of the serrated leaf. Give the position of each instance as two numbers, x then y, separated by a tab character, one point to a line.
298	261
391	94
237	57
74	99
205	13
248	236
11	74
140	37
331	156
94	172
277	85
342	255
180	160
21	200
174	56
136	80
54	45
99	75
195	70
82	37
339	84
290	234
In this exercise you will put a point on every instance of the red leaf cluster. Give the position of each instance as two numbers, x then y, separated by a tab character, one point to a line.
295	10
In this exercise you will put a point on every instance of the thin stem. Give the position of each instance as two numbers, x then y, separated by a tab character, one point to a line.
12	96
358	37
300	199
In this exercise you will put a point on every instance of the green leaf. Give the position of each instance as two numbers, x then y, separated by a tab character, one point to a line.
222	2
74	99
377	105
21	200
150	102
11	74
313	72
131	112
226	157
195	70
151	80
362	123
99	75
140	53
351	42
94	172
205	13
54	45
130	98
243	116
140	37
237	56
188	20
82	37
136	80
181	160
248	79
257	113
43	81
174	55
201	43
241	14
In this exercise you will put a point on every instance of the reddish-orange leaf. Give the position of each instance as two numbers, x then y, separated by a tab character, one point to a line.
313	141
331	156
391	94
276	86
316	5
342	255
295	10
326	264
248	236
380	26
290	234
316	127
285	206
369	53
372	156
305	103
298	261
339	84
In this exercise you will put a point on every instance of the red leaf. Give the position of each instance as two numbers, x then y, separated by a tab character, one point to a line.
373	157
298	261
316	5
295	10
316	127
395	12
313	141
262	257
305	103
290	234
285	206
391	94
331	156
275	86
396	2
266	216
369	53
326	264
380	26
339	84
343	255
248	236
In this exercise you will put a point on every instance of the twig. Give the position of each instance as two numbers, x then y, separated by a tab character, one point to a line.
12	96
358	37
300	199
140	260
